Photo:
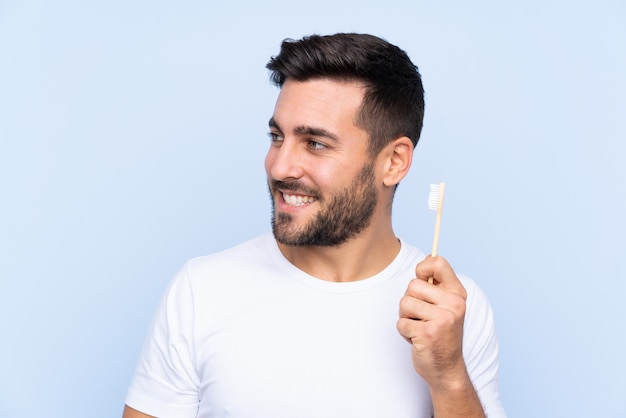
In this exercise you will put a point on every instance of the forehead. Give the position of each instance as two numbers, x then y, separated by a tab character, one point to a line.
318	102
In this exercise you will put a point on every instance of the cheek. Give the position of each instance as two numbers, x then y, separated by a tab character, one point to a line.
269	161
331	179
328	178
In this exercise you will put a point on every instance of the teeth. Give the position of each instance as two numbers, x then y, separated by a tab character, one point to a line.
297	200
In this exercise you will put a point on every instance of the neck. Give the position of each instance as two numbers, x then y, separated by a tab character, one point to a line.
356	259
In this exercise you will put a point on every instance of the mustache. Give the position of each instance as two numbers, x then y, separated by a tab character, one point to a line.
293	186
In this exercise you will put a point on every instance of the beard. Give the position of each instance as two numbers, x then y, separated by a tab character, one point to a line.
341	216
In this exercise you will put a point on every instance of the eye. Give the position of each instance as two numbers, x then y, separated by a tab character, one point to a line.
274	137
316	146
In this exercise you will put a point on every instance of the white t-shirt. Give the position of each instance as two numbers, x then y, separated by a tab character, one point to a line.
244	333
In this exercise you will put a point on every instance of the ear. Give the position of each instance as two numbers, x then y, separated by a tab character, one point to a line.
398	159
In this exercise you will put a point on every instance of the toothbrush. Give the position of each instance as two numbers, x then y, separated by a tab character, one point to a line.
435	202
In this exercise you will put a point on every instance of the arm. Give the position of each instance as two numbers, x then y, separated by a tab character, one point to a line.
165	382
133	413
431	319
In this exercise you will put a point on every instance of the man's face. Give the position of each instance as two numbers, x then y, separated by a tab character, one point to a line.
321	178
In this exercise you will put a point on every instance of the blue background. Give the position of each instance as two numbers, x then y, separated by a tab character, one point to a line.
132	137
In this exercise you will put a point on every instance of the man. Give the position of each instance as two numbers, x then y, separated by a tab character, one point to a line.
304	322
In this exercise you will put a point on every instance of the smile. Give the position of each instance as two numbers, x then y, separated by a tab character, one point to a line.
297	200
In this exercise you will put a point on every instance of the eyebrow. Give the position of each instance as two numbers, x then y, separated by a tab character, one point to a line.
307	130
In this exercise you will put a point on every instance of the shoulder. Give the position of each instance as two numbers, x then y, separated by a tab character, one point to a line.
221	283
249	253
477	301
479	336
242	267
480	347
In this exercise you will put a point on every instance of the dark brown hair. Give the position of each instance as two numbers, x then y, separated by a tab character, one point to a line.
393	105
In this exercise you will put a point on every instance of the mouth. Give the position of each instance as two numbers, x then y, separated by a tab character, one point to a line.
297	199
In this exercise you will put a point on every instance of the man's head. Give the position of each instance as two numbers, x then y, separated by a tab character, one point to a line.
393	104
345	123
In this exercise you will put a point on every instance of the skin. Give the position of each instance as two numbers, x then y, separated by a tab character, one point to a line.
133	413
316	146
431	320
315	142
342	215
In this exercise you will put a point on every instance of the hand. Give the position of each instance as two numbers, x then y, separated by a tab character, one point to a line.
431	319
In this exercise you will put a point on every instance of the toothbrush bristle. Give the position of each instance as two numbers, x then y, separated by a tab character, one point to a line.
433	197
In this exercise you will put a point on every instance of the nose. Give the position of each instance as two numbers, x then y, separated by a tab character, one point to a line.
283	161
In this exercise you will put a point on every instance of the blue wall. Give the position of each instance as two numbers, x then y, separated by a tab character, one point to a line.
132	137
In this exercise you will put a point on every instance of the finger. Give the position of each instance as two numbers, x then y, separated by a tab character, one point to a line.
420	289
436	295
425	302
436	267
417	332
443	274
408	328
416	308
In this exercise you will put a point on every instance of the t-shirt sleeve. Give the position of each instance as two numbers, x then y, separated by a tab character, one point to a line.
480	349
165	383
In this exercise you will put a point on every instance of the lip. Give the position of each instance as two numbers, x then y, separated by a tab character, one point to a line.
284	206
